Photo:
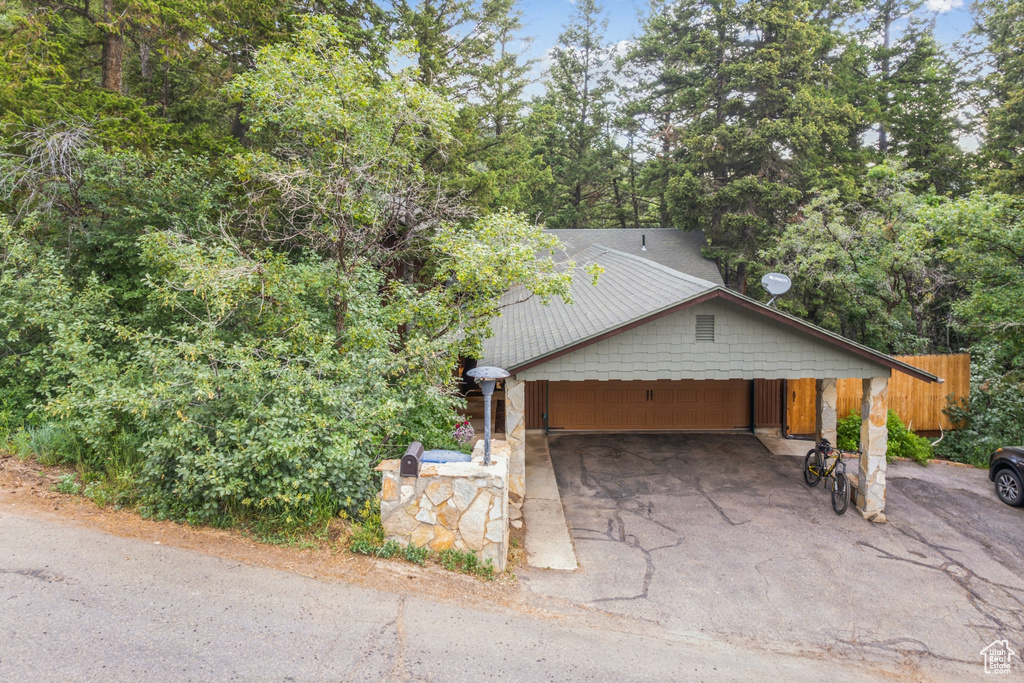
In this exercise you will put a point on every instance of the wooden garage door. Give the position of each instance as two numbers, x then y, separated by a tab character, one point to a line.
682	404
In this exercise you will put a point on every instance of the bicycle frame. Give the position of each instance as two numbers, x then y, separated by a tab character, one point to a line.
831	452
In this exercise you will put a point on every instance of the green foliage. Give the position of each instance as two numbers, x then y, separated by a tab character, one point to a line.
572	123
367	533
904	443
745	101
466	562
67	484
992	417
1001	24
901	442
848	432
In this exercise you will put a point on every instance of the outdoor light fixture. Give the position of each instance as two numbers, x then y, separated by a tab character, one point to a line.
487	377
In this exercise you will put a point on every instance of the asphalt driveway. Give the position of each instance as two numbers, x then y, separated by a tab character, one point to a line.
713	534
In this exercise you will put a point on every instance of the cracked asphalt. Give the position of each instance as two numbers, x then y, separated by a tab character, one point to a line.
82	605
713	534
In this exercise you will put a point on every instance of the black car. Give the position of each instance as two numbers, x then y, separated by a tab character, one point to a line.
1005	468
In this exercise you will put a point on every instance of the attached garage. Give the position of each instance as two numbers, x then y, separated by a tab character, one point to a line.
650	348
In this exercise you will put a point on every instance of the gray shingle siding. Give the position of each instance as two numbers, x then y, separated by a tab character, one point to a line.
747	346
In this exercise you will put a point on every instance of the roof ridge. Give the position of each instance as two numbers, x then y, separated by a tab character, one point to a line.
653	264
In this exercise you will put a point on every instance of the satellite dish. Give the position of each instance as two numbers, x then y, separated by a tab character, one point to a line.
777	284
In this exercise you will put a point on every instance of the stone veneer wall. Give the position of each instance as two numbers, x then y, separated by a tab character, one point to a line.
460	505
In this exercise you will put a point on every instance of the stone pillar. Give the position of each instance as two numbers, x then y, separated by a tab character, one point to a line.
874	437
826	401
515	434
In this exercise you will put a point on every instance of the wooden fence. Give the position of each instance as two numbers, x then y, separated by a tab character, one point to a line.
918	403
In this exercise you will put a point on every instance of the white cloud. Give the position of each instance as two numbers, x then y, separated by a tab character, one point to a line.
943	6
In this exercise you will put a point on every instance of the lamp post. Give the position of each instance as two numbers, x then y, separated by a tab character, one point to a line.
487	377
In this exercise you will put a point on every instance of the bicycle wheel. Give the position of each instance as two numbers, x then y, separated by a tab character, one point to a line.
812	467
840	493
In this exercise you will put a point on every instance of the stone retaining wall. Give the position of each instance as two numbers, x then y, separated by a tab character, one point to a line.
460	505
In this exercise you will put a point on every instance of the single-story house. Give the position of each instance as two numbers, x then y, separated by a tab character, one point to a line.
660	344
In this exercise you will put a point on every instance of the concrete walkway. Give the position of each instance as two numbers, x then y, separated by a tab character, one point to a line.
778	445
548	544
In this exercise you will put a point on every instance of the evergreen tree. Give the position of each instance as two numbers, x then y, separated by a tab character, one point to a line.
1002	24
923	116
916	95
572	119
756	115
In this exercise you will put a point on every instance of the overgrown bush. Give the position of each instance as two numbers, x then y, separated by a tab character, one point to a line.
902	443
992	418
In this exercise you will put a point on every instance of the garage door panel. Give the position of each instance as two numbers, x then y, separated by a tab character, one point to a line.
663	405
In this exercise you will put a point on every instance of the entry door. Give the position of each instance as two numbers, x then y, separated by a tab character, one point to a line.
649	406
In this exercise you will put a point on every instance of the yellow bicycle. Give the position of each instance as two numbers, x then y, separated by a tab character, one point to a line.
817	467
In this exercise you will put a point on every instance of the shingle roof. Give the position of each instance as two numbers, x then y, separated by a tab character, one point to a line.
670	247
630	288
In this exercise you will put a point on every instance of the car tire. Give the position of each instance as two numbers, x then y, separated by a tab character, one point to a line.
1009	488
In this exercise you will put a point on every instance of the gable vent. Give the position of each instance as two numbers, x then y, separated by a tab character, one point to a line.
705	328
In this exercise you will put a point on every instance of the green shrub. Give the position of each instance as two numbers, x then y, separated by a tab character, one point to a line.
97	493
902	443
848	432
991	419
415	554
48	444
368	533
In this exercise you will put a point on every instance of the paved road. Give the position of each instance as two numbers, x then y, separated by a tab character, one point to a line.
81	605
711	532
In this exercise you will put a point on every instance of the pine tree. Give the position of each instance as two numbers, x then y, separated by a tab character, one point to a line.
572	119
1002	24
923	116
495	163
751	95
916	94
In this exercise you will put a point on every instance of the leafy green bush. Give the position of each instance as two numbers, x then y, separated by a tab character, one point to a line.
848	432
368	533
902	443
993	417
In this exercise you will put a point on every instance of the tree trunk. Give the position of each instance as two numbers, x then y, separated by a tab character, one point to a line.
618	203
144	65
113	49
741	278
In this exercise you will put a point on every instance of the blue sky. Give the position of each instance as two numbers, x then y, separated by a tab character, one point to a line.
544	20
